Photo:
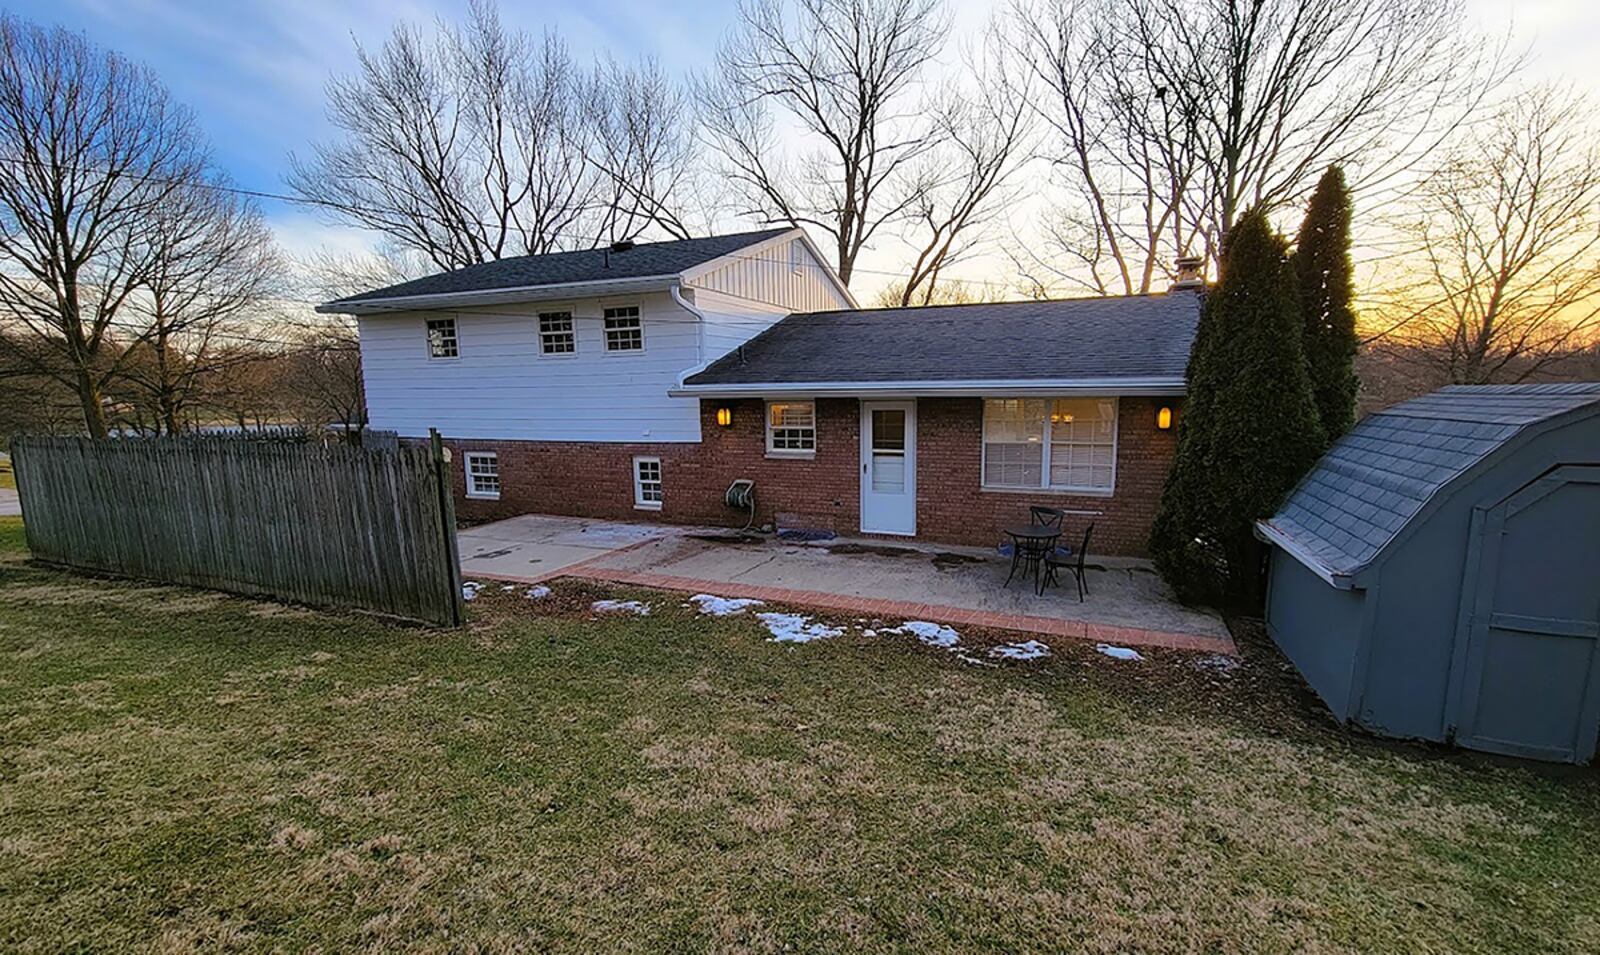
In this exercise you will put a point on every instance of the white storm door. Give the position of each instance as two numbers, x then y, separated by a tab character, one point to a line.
889	467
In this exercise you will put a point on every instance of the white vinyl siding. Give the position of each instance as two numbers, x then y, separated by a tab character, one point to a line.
483	474
781	273
791	428
624	329
647	484
555	334
504	387
442	339
1055	444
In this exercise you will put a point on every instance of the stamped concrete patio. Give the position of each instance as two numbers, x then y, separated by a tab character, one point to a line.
1128	604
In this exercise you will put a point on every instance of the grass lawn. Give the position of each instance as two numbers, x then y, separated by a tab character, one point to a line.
181	770
8	477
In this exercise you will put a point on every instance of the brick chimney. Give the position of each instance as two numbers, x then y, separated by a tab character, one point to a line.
1190	274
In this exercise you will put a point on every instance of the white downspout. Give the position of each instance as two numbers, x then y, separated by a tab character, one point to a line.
700	332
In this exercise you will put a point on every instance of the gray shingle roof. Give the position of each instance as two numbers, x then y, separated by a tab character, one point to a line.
1379	476
645	260
1129	337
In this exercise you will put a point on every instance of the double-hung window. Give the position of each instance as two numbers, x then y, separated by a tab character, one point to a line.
1061	444
647	484
791	428
624	330
442	340
483	474
555	334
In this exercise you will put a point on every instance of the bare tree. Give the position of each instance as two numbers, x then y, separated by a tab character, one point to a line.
1126	151
325	367
212	266
645	148
479	142
981	136
1508	243
843	75
90	147
1176	115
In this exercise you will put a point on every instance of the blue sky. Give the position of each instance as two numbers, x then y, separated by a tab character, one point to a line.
254	71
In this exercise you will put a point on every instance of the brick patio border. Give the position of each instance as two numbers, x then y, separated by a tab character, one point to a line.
905	610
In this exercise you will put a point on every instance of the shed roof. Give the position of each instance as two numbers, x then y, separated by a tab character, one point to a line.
1140	338
643	261
1379	477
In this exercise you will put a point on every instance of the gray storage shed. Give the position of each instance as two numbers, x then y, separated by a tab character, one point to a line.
1437	574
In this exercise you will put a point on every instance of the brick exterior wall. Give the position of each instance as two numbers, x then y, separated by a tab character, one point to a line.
596	479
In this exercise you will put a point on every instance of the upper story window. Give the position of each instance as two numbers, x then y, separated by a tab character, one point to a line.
442	340
791	427
483	474
1063	444
624	331
555	334
797	256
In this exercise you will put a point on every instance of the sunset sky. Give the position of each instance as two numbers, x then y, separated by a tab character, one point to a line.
254	71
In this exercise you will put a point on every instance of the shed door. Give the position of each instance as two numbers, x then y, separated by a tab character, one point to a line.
1531	680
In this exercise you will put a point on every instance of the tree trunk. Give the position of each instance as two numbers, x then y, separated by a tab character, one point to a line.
94	413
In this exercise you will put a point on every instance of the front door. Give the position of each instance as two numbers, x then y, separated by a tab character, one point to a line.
889	467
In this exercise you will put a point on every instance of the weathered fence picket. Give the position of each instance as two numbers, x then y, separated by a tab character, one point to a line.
325	526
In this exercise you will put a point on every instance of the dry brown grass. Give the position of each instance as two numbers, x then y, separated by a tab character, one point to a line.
220	780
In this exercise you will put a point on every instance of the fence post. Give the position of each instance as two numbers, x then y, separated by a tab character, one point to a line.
447	517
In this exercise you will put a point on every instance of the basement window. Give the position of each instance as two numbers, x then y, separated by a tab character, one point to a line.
647	484
624	331
442	340
483	474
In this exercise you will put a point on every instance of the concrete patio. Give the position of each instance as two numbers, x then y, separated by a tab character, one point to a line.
1127	604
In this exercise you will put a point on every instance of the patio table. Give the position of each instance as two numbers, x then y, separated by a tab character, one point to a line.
1029	545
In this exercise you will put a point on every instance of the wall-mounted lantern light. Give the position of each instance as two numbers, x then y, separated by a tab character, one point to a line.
1164	418
724	416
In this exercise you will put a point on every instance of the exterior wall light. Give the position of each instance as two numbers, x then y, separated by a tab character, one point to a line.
724	416
1164	418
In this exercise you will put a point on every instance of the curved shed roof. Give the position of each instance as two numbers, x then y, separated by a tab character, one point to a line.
1378	478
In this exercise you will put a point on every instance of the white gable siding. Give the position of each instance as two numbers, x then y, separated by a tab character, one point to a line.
730	322
501	386
783	274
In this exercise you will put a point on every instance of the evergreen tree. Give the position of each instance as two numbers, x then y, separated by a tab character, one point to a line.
1322	265
1248	430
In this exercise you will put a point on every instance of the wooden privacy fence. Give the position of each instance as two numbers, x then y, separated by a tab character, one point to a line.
326	526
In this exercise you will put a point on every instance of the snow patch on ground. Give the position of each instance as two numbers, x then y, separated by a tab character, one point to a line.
869	633
1027	650
933	634
795	628
623	606
1118	653
715	606
537	592
469	590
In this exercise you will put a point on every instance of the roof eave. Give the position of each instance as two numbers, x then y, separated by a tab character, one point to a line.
505	296
1268	533
974	388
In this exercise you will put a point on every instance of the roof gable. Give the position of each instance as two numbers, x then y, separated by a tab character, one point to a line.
1378	479
665	260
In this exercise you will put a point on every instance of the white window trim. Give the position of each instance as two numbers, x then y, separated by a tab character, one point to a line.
605	343
639	503
1064	490
466	465
548	308
427	339
766	424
